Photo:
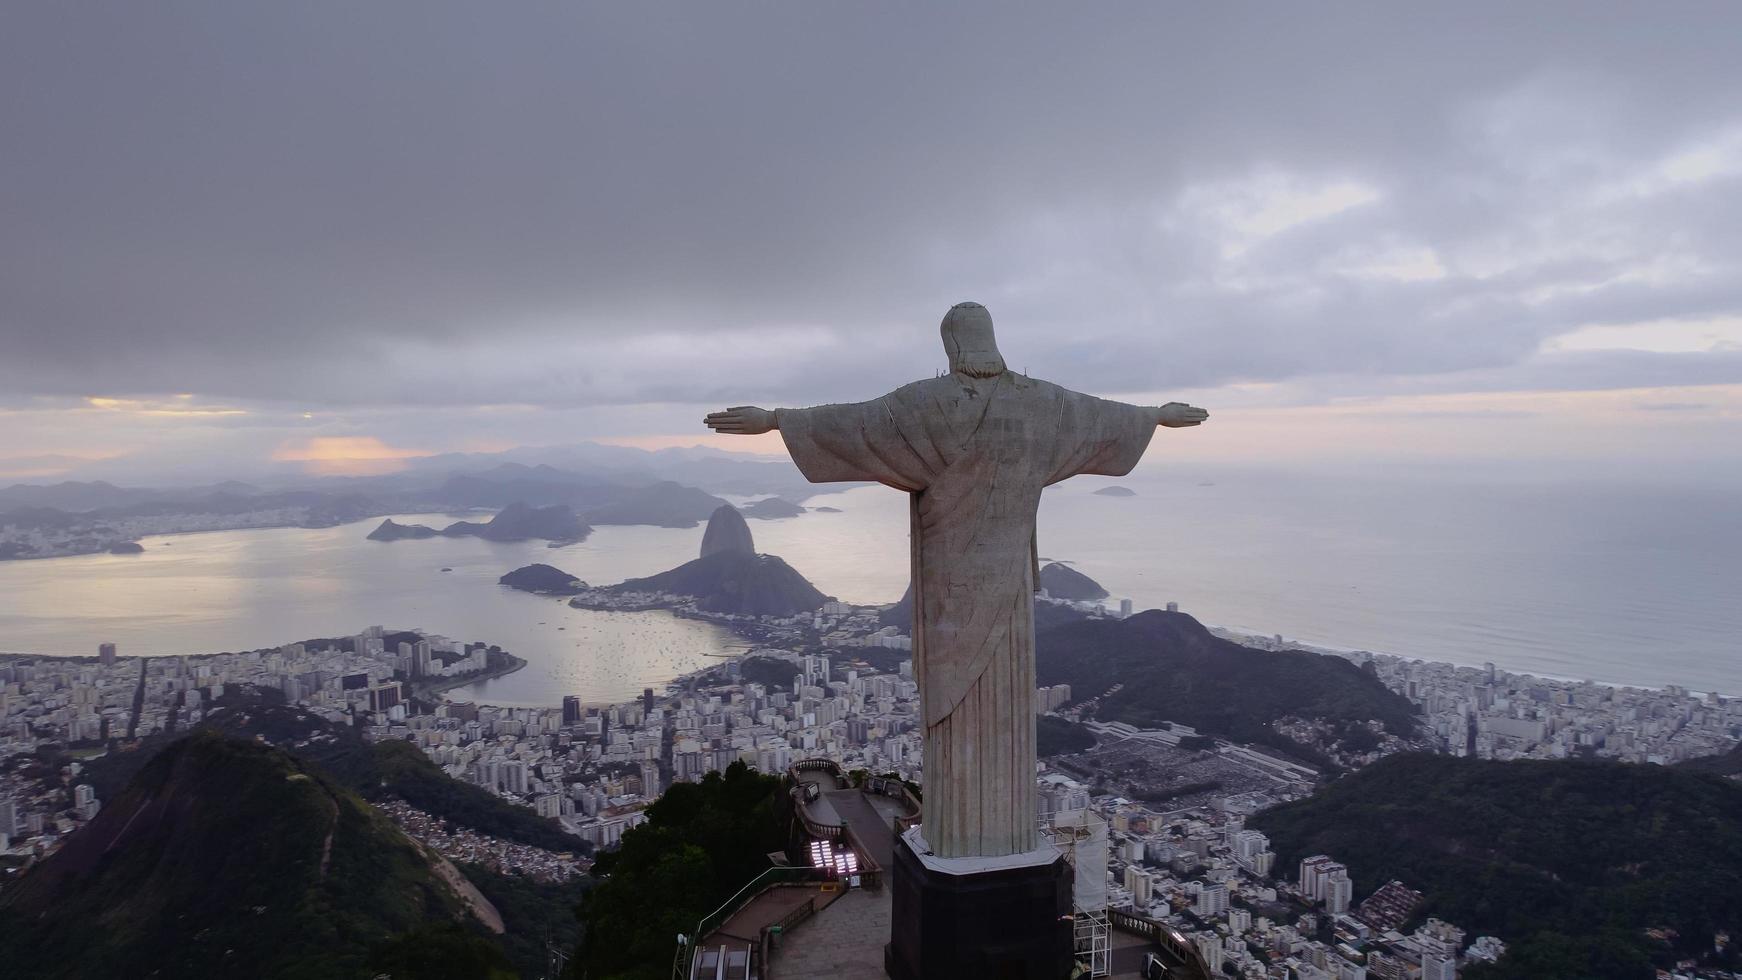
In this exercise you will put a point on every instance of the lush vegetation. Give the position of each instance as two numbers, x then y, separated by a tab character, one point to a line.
535	913
223	858
542	580
373	771
1046	614
389	769
1169	668
1728	764
1569	862
1058	736
771	672
440	951
701	843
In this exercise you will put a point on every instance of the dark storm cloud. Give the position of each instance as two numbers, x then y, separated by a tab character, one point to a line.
414	203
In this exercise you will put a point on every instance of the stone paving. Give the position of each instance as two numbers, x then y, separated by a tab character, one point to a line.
772	905
842	942
867	822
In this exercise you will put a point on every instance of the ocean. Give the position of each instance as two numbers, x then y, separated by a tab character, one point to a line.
1638	586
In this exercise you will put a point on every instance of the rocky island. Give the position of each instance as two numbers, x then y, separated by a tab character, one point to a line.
127	548
543	580
772	509
392	530
1115	491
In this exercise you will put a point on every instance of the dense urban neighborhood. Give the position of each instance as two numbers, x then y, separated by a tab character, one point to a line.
1170	803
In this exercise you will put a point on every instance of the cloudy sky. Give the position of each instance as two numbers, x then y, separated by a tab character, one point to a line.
1488	234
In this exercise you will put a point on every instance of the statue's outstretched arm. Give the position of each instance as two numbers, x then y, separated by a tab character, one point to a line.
745	420
1177	415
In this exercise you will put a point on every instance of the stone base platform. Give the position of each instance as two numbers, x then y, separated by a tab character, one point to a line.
1003	918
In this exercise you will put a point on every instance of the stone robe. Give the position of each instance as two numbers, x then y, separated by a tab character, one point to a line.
974	455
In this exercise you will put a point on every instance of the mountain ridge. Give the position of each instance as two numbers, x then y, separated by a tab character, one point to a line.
174	872
1568	861
1169	668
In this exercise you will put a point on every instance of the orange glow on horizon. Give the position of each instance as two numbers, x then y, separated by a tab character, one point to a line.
345	455
180	407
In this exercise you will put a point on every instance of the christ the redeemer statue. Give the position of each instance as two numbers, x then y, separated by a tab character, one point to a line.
973	449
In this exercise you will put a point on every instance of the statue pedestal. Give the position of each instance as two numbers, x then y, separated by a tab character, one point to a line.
1002	918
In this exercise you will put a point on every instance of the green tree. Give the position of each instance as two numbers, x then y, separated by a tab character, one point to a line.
702	842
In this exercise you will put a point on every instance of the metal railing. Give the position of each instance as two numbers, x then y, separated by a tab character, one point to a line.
1180	954
708	923
781	928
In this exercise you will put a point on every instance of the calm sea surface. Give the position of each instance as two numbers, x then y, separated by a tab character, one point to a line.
1633	587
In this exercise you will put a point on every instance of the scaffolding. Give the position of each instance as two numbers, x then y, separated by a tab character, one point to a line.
1081	836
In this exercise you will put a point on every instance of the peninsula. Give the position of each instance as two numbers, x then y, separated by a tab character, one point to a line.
729	577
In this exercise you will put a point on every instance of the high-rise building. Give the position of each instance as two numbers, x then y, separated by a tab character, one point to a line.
1312	873
1211	951
1141	886
514	776
1339	892
1212	901
384	697
8	818
1125	608
1437	967
106	654
571	710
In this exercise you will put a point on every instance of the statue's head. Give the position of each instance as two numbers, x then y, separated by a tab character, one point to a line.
967	330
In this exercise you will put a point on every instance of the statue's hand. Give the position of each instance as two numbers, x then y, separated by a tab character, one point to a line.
1178	415
744	420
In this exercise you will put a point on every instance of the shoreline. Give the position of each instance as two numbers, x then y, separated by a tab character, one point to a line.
1240	634
1245	636
440	689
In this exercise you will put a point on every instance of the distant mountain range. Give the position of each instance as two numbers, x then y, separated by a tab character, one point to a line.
1569	862
126	482
1168	668
231	858
79	518
517	522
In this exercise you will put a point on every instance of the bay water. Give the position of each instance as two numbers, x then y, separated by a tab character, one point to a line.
1639	586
